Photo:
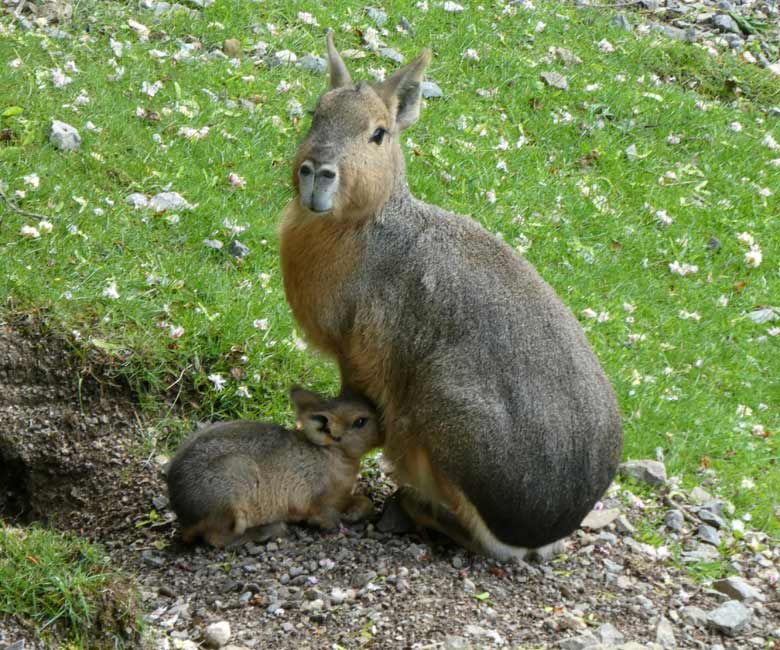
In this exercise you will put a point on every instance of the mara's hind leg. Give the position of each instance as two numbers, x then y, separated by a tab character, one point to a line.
260	534
358	508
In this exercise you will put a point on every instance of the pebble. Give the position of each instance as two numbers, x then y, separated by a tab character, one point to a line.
314	64
555	80
63	136
695	616
597	519
378	16
392	54
736	588
708	535
664	634
137	200
217	634
674	520
610	635
168	201
431	90
726	23
621	22
730	618
651	472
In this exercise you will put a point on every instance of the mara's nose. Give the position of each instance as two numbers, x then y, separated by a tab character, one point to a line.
318	183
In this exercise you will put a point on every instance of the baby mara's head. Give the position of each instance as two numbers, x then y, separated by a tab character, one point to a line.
348	422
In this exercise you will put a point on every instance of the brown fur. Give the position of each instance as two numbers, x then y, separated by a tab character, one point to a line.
233	476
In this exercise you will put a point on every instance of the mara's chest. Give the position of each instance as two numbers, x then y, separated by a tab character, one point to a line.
319	258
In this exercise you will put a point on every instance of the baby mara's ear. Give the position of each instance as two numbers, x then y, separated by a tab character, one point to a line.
316	428
305	401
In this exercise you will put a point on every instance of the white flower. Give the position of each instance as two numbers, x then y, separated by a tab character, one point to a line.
260	324
15	63
603	317
422	6
471	55
744	411
490	195
378	74
176	331
501	165
589	313
452	7
193	134
243	391
737	526
628	307
764	191
747	484
770	142
235	180
663	218
735	126
758	430
689	315
299	344
539	28
683	269
590	88
606	46
32	180
29	232
218	380
151	89
45	226
746	238
110	292
673	139
753	257
59	79
283	87
306	18
70	66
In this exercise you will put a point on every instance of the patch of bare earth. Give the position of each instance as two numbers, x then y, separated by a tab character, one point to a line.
69	448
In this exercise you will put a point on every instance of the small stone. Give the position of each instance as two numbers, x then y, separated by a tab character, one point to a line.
664	634
699	495
405	24
695	616
708	535
392	54
711	518
597	519
468	585
730	618
651	472
338	596
361	579
455	643
555	80
283	57
217	634
168	201
725	5
713	243
160	501
621	22
244	598
431	90
232	47
237	249
63	136
378	16
631	153
213	243
610	635
457	562
137	200
485	633
624	525
16	645
582	642
314	64
726	23
153	561
738	589
674	520
567	57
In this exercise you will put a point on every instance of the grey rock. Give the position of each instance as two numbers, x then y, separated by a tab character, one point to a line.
314	64
392	54
711	518
160	501
700	495
624	525
431	90
713	244
708	535
730	618
687	35
738	589
213	243
378	16
597	519
16	645
567	57
650	5
244	598
361	579
621	22
63	136
168	201
153	561
555	79
338	596
664	634
674	520
695	616
403	22
610	635
452	642
631	153
217	634
725	5
582	642
137	200
237	249
726	23
645	471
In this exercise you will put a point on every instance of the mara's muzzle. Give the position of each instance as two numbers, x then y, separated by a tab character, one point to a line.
317	185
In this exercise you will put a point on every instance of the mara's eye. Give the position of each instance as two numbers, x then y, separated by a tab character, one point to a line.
378	135
359	423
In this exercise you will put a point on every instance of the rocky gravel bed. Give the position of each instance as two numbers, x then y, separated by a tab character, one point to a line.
653	566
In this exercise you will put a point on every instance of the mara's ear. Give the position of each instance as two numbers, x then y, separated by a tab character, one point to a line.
305	401
401	92
339	75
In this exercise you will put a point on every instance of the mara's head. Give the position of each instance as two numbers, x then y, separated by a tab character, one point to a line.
350	423
351	157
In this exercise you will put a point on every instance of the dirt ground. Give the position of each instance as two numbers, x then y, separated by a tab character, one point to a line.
72	455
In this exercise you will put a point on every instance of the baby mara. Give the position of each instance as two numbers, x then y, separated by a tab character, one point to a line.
235	476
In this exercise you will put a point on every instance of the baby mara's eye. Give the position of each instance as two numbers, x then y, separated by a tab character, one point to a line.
378	135
359	423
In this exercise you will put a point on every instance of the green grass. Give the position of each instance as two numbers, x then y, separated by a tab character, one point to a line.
584	211
63	588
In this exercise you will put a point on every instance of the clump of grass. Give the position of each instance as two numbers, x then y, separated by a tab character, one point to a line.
64	590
